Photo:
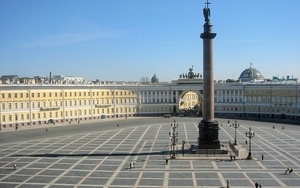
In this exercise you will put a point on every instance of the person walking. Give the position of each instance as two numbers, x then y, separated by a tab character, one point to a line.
262	157
256	185
15	166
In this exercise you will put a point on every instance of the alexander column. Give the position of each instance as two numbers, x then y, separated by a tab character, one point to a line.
208	127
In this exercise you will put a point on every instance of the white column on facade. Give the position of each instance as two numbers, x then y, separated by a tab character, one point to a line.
147	96
140	97
217	96
164	93
221	96
151	97
172	98
159	96
242	96
176	97
234	99
167	96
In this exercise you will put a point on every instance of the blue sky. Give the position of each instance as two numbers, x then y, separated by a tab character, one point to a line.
125	40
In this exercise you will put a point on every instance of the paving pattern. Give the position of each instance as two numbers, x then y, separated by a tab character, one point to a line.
102	159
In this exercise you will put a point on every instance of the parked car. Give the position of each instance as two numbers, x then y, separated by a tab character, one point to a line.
103	116
167	115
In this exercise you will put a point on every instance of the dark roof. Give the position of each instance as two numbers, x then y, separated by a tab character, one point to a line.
9	77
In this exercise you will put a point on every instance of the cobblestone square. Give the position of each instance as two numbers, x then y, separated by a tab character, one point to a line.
102	159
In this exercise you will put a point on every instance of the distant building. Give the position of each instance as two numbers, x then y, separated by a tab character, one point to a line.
251	75
67	79
26	80
10	79
154	79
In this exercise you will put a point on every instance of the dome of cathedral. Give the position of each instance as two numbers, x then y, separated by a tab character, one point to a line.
251	74
154	79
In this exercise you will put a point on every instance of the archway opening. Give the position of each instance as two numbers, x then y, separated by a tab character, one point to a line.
190	104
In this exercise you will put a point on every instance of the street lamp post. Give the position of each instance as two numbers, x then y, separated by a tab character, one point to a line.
235	126
173	134
250	134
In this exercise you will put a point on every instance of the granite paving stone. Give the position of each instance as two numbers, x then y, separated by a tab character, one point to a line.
102	158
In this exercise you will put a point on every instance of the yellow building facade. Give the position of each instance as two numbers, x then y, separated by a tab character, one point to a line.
35	104
22	105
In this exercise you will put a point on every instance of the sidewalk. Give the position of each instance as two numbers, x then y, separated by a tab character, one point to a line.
26	127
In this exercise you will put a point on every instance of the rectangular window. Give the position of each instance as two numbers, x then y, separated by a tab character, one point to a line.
3	95
9	106
9	95
16	95
21	95
3	106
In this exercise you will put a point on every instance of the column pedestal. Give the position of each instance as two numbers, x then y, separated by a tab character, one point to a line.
208	135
